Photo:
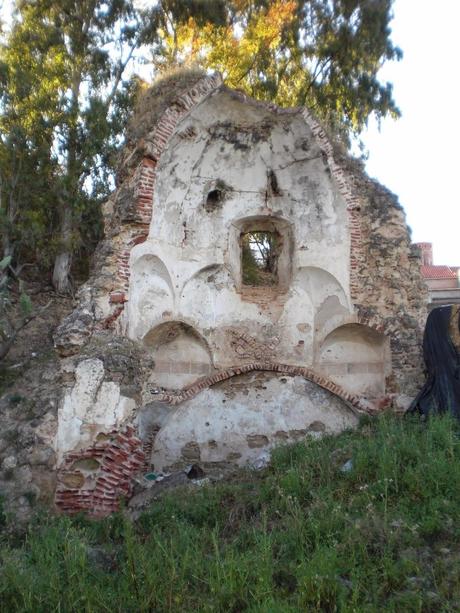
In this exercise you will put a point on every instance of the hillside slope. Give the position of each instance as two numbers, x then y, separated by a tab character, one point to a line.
365	521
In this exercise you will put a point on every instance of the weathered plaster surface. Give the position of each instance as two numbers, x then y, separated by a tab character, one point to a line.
91	406
232	422
189	268
344	316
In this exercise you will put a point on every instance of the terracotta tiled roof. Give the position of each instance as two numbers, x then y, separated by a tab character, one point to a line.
439	272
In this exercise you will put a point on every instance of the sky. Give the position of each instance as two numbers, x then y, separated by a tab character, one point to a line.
417	157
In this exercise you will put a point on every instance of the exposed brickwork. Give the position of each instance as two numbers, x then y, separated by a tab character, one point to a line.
129	215
143	183
144	190
355	402
149	445
96	479
98	491
385	283
353	202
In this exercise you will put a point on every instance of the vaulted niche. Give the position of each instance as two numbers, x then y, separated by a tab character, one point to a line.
181	355
261	253
356	357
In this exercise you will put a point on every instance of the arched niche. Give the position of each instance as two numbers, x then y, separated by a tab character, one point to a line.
181	355
239	418
151	293
357	358
281	232
320	285
207	294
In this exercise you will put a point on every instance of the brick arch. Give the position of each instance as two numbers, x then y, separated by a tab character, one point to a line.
355	403
120	455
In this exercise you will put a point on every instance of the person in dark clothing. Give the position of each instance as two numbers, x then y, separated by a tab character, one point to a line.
441	352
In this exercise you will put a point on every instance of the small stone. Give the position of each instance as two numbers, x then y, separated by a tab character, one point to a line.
256	440
194	472
317	426
9	462
347	467
72	480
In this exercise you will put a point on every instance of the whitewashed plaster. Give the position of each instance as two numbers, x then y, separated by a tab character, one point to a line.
236	421
91	406
188	269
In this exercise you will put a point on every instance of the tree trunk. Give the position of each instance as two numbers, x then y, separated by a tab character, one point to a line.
63	260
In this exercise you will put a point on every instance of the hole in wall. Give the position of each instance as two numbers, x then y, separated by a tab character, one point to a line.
214	197
259	258
257	274
273	188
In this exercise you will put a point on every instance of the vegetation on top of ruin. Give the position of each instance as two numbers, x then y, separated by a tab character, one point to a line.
153	100
363	521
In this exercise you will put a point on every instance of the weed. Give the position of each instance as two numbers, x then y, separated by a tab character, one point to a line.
302	536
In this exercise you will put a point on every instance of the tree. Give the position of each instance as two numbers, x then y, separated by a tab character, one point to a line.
78	50
325	54
16	311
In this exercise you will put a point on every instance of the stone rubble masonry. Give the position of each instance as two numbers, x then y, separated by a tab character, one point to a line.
372	267
99	492
385	285
352	200
120	456
127	217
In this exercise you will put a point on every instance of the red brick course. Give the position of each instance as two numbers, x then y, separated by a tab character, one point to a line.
123	455
145	177
119	458
345	185
354	402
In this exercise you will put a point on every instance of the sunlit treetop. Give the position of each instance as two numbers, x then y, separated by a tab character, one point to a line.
324	54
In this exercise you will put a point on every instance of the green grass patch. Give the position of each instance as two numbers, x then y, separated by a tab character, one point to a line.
304	535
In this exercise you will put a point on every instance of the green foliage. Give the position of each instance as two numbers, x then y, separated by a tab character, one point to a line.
65	97
325	55
25	304
16	309
5	263
67	90
259	257
302	536
64	104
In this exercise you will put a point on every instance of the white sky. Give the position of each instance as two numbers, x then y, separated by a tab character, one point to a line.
417	156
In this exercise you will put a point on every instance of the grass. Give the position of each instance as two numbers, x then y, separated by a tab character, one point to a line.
304	535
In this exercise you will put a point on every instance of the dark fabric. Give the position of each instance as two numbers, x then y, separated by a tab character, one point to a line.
441	392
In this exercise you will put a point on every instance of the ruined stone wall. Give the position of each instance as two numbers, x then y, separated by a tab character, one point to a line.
390	295
189	267
220	371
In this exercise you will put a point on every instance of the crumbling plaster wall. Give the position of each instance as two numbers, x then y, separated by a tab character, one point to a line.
196	278
238	420
345	317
